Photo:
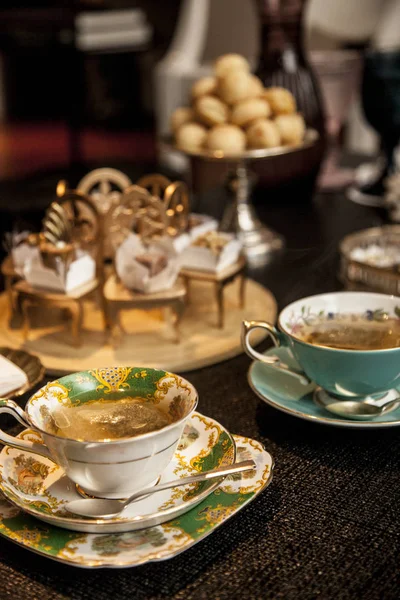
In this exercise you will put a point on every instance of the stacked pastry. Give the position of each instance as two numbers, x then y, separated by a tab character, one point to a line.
147	268
232	111
211	251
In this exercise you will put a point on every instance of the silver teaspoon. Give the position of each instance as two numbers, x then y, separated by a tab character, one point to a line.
361	411
101	508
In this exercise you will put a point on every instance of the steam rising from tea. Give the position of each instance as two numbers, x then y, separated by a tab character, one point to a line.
109	420
352	332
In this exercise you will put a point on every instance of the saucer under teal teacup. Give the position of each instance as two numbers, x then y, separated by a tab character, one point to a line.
343	373
287	394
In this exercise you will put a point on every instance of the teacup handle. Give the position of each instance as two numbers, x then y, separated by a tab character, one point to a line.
278	339
12	408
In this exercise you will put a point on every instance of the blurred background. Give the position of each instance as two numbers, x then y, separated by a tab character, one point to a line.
92	83
65	69
78	79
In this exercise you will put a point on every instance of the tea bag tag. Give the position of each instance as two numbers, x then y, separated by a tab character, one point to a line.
61	419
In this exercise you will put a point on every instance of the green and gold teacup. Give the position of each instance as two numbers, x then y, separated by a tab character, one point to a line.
110	468
354	370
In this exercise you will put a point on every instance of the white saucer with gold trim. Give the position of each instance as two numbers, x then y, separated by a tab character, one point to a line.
40	488
126	550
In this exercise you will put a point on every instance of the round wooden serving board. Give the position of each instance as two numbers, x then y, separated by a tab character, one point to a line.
147	341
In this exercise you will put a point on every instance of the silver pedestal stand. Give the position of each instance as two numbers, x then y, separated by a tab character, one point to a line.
258	240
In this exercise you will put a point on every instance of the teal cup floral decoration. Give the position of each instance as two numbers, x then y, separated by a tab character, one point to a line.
344	373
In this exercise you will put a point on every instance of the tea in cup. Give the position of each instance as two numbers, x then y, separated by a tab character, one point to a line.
346	342
112	430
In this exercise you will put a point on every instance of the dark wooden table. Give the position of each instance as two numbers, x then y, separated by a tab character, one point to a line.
327	527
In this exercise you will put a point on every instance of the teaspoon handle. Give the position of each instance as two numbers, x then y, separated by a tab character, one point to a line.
389	405
246	465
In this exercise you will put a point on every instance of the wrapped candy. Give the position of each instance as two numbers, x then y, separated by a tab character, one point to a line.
65	278
147	269
201	224
212	251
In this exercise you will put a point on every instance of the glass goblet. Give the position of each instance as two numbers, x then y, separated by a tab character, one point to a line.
339	74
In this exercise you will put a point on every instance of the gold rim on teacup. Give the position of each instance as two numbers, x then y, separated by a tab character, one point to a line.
111	467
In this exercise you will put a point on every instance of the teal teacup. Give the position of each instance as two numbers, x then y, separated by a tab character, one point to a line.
342	372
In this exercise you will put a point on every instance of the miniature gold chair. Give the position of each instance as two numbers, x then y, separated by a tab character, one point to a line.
155	183
139	211
104	187
175	196
87	233
176	201
219	280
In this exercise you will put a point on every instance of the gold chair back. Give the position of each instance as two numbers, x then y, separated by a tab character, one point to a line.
104	186
137	211
155	183
86	222
176	202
